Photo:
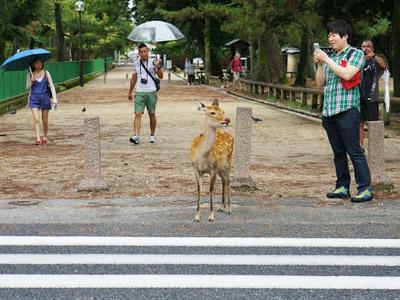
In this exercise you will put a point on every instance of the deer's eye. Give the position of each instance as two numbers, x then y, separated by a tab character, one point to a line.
212	113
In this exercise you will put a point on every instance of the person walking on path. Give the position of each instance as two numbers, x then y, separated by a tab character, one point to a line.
236	69
39	84
340	74
185	68
190	70
372	71
144	76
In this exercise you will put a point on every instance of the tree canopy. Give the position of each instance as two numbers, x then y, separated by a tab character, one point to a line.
267	25
53	24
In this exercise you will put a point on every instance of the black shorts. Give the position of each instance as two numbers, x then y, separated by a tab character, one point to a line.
369	111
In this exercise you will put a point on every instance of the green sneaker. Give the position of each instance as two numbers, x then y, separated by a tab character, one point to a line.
340	192
364	196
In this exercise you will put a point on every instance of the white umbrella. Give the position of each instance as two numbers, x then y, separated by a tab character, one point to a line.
155	31
386	78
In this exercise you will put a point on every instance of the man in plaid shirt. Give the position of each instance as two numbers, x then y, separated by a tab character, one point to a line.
341	111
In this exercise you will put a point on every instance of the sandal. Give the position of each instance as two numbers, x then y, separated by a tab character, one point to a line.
44	141
37	142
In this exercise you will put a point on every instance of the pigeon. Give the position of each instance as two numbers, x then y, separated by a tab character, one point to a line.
83	109
255	119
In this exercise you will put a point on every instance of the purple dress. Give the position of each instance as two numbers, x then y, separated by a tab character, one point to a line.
39	98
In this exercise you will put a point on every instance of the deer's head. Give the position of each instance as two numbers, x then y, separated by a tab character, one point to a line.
215	116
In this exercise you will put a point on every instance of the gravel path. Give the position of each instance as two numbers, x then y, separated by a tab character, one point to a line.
291	156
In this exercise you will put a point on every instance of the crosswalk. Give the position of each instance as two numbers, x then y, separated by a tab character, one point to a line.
101	262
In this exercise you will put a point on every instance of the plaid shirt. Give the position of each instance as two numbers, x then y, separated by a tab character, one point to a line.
336	98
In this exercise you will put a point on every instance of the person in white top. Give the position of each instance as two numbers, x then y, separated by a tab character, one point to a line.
42	97
145	73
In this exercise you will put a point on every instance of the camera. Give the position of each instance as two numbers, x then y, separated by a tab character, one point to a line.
143	80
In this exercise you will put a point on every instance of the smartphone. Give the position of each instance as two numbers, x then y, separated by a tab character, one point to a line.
316	46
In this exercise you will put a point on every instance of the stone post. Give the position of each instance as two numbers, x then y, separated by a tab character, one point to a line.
241	168
376	158
92	180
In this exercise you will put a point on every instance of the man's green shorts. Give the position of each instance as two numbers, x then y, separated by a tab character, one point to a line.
146	99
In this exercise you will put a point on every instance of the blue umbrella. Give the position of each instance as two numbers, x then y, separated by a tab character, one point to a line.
20	61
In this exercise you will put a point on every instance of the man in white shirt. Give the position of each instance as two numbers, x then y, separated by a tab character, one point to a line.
144	73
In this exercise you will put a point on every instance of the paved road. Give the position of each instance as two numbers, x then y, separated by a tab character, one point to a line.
172	216
108	262
74	267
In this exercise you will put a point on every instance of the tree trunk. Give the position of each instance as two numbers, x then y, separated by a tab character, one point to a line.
269	67
253	58
207	47
2	50
301	75
261	70
59	32
276	72
311	69
32	43
396	48
15	44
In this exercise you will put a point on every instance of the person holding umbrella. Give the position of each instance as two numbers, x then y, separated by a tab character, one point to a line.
39	83
145	71
144	78
41	89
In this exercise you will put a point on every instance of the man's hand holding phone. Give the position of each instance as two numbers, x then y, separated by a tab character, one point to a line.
319	55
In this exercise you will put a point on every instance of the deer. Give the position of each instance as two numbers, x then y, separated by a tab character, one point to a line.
211	153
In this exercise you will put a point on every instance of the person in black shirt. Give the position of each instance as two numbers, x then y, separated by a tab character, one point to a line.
370	86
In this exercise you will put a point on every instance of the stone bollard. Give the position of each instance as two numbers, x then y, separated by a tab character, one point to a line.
169	77
376	160
241	169
92	180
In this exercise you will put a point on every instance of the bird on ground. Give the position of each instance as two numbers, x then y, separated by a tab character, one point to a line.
255	119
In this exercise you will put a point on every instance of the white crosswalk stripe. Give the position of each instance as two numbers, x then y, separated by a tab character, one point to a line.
192	261
168	259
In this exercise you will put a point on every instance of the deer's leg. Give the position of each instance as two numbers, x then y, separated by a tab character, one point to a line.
223	179
213	177
199	185
228	193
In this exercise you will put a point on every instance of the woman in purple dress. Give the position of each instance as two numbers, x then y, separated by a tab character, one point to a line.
39	83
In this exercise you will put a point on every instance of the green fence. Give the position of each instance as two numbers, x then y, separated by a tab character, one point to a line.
12	84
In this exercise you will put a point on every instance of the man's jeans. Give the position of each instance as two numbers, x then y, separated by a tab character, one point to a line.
344	136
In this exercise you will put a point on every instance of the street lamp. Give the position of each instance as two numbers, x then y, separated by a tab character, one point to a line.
79	6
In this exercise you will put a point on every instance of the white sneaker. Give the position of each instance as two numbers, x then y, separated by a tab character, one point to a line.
134	139
152	139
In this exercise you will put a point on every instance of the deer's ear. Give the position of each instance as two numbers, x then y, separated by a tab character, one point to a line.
215	102
200	105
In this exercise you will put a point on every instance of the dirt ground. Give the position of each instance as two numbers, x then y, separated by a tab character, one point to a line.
290	157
